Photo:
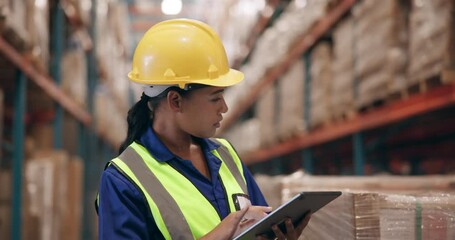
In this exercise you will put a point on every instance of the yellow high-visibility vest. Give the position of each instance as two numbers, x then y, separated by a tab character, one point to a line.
179	209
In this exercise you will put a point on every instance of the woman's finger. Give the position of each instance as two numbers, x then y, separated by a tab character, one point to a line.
289	226
240	214
303	223
278	233
257	212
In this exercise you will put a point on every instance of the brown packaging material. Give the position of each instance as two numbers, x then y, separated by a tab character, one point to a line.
43	136
265	112
74	74
334	221
380	36
342	94
369	208
72	227
271	187
45	197
37	25
432	40
5	204
290	108
240	136
321	79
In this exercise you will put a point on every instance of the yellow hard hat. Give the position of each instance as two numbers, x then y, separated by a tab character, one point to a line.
180	52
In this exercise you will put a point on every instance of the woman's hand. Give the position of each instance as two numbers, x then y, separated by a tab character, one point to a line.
291	232
254	214
237	222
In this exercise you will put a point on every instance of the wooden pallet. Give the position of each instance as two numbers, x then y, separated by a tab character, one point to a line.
373	105
448	76
344	115
422	86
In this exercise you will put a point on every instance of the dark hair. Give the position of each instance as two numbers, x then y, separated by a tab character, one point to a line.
140	116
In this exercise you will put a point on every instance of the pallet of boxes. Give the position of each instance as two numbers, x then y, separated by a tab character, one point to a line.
380	54
431	44
52	195
376	207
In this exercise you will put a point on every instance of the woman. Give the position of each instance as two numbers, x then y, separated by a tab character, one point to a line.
171	179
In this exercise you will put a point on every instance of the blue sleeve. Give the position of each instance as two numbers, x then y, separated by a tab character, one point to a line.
256	196
123	212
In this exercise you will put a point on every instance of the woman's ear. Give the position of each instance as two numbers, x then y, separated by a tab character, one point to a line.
174	101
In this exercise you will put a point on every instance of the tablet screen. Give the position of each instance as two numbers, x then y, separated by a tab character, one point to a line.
295	208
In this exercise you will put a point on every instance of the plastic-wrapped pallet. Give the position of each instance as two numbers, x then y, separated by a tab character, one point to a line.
111	50
26	27
12	24
290	101
362	216
334	221
437	211
271	187
37	25
77	9
392	184
265	112
45	195
368	211
321	81
274	43
108	117
241	17
245	136
380	36
431	37
342	94
74	72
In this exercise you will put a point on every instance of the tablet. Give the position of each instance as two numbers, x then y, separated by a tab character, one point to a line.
296	208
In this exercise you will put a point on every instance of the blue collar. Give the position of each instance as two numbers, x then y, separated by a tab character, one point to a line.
161	153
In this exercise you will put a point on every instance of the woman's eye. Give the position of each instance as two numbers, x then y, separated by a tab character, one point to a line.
216	99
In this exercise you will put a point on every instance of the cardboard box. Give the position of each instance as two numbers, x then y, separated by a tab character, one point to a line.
5	204
73	227
45	195
380	49
290	107
432	39
321	84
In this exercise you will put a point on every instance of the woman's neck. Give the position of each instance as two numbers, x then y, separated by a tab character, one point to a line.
175	140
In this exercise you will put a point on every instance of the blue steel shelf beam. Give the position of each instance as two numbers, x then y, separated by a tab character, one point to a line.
57	46
18	153
89	141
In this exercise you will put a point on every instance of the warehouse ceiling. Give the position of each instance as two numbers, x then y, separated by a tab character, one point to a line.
145	13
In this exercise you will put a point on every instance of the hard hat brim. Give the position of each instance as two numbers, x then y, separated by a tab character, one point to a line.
231	78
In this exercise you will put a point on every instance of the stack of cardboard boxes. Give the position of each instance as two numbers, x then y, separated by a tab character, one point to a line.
431	40
380	53
342	93
290	98
321	82
52	206
376	207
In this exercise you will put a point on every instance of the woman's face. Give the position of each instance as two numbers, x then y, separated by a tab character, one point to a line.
201	111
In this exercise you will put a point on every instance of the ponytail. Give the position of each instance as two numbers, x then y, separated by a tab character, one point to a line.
139	119
140	116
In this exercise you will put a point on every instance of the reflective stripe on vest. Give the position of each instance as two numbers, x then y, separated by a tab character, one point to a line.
178	208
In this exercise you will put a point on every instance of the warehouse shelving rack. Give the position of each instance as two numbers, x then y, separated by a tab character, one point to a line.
272	10
401	111
91	144
298	49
